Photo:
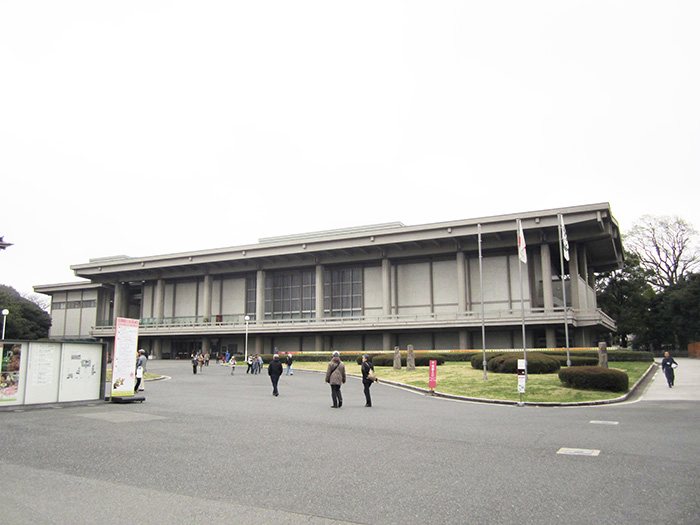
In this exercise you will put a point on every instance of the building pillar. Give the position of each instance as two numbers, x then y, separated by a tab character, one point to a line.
260	296
157	349
160	300
319	342
387	341
120	301
573	276
463	340
461	282
551	335
386	287
206	345
207	298
320	291
258	344
547	293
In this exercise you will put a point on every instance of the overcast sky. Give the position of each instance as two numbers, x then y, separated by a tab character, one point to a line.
152	127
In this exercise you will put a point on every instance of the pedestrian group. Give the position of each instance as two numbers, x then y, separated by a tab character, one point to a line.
335	373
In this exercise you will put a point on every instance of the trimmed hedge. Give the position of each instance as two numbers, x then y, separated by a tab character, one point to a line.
613	355
576	360
536	363
594	378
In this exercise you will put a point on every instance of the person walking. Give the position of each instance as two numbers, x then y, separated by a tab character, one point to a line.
668	364
140	369
290	360
194	364
274	369
335	376
200	361
367	378
250	364
232	362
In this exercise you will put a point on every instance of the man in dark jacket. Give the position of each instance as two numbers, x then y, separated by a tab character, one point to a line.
274	369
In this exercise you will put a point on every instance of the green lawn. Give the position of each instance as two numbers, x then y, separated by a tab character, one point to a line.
461	379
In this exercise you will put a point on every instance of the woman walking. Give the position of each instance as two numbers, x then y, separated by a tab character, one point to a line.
335	376
367	381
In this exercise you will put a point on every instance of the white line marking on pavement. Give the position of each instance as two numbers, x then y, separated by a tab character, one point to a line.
578	452
601	422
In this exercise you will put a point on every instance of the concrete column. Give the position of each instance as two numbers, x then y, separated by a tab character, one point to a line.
386	341
573	276
463	340
160	299
319	343
258	345
583	263
206	345
206	310
158	348
120	302
320	273
260	296
386	287
461	282
546	261
551	335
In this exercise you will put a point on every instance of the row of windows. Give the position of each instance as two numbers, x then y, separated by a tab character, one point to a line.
292	295
92	303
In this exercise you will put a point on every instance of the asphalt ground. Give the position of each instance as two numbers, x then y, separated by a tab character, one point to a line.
216	448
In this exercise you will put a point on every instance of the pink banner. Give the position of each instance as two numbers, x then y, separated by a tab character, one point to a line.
432	378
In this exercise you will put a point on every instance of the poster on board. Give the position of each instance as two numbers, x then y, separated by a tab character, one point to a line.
9	372
124	360
81	365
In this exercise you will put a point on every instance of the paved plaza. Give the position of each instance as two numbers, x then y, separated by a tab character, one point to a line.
216	448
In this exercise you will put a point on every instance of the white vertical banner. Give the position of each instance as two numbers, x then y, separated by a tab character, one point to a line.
124	358
522	247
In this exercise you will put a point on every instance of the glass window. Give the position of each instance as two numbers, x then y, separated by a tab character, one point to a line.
343	292
290	295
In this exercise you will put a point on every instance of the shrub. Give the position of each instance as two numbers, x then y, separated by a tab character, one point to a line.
536	363
594	378
576	360
477	360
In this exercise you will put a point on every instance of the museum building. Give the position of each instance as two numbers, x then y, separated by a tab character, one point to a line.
368	288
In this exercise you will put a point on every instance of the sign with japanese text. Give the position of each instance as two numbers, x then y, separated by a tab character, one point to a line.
124	359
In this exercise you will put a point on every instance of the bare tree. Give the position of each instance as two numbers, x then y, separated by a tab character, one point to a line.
666	247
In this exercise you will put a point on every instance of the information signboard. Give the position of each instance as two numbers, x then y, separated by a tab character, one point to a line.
522	376
124	360
432	378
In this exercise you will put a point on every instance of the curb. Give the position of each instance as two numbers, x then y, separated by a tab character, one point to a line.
652	368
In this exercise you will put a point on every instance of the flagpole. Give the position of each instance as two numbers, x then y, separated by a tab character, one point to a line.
522	254
563	286
481	288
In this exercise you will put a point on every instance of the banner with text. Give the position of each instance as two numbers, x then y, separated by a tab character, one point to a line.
124	359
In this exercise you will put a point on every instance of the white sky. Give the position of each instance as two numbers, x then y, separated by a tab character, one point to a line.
152	127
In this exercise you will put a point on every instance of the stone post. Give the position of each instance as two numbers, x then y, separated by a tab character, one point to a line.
397	358
603	354
410	359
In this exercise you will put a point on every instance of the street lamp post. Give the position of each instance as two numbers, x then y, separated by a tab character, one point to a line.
5	312
246	319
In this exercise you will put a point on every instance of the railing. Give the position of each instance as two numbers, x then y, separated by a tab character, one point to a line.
236	323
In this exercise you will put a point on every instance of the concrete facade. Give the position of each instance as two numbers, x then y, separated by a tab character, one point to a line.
367	288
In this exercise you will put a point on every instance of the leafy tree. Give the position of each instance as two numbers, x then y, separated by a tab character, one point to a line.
26	320
625	295
666	247
680	309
